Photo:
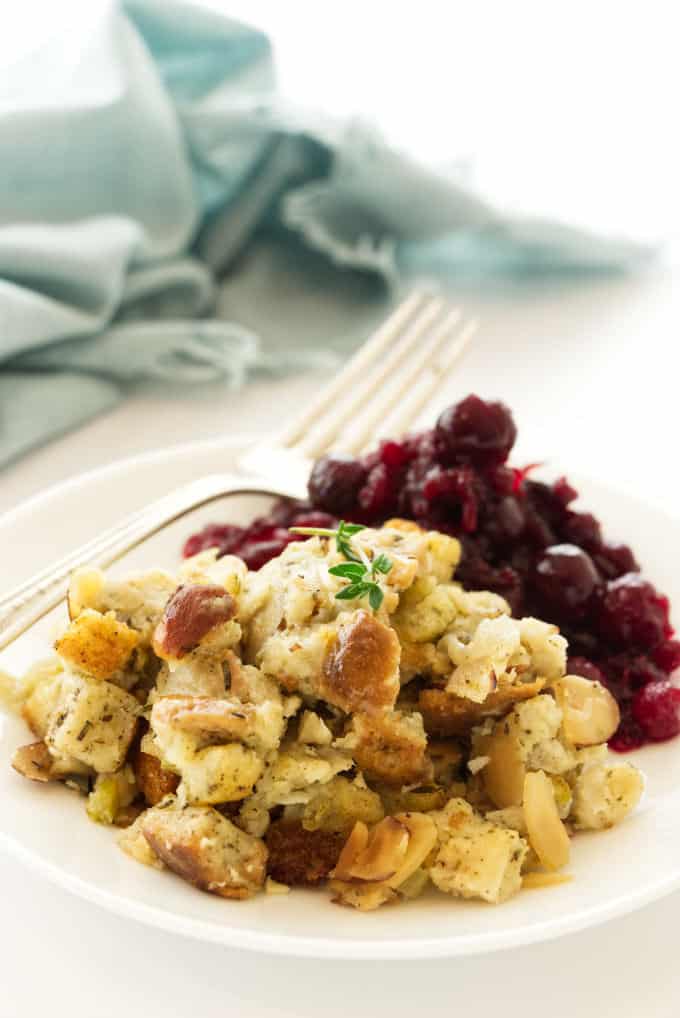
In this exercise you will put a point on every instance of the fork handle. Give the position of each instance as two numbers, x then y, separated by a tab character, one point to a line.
23	606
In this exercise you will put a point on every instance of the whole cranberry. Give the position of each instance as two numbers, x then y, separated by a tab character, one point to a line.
224	537
582	529
375	495
667	656
313	518
614	560
476	431
335	482
565	579
633	614
627	737
656	708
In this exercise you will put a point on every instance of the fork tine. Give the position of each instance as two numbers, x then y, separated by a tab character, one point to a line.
355	399
407	411
401	387
356	366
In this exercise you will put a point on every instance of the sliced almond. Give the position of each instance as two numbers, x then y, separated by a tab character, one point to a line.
422	839
384	854
590	712
503	776
547	834
357	841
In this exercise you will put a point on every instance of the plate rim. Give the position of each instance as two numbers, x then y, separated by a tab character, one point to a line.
293	945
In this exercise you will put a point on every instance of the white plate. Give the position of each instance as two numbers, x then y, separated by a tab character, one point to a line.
46	826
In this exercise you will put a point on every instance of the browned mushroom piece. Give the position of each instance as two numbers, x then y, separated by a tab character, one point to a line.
299	857
190	614
361	670
446	714
153	780
34	762
207	850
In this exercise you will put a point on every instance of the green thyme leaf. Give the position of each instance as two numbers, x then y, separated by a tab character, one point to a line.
348	570
352	591
381	564
357	568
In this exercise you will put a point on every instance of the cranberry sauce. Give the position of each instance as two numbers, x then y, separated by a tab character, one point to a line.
520	538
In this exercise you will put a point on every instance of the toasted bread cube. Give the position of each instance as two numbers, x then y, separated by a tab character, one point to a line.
43	698
94	722
605	793
300	857
96	645
391	747
219	774
206	849
153	780
476	858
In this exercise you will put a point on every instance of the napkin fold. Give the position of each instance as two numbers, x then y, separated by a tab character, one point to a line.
155	190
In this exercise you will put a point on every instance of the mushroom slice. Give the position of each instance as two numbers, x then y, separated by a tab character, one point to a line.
34	762
547	834
590	713
193	611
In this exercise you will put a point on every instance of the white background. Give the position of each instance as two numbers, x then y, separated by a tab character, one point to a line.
572	108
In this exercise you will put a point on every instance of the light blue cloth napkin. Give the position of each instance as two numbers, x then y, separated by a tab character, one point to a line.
159	206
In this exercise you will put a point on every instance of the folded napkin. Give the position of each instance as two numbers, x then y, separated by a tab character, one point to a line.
164	215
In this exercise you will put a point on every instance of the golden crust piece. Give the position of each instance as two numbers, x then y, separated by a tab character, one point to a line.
97	645
301	858
207	850
361	669
153	780
446	714
391	747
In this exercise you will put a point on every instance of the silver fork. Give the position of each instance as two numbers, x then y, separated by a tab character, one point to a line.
378	393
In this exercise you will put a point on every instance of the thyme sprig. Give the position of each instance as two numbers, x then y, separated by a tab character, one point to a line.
361	572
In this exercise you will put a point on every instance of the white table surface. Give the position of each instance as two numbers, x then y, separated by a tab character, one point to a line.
591	369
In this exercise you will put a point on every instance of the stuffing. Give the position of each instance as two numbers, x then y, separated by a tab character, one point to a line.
43	687
374	865
390	747
209	719
361	669
34	762
111	794
445	714
227	572
137	600
97	646
481	663
336	806
197	615
290	778
428	618
153	781
300	857
313	730
93	722
376	743
194	675
476	858
352	663
605	793
204	848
